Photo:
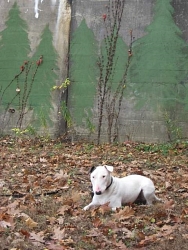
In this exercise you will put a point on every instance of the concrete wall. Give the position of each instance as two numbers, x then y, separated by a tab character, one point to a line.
153	112
47	26
144	122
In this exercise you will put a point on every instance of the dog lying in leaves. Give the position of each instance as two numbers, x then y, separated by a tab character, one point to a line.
119	191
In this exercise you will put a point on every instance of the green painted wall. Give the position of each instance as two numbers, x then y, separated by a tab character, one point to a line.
26	83
14	49
120	61
157	77
158	73
160	61
83	72
46	76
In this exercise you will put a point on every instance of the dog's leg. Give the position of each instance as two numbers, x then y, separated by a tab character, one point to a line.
157	199
150	197
88	206
94	203
115	203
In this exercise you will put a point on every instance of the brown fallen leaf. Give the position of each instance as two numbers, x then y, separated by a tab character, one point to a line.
25	233
167	229
97	222
185	236
185	211
121	245
61	175
75	196
168	185
169	205
148	239
37	238
58	233
139	236
63	209
94	232
104	208
53	246
124	213
31	223
6	220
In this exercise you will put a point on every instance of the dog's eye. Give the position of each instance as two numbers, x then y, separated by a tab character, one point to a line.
93	177
103	176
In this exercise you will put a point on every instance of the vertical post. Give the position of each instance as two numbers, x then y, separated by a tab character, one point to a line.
62	40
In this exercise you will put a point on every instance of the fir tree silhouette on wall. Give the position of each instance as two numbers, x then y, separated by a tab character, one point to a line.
160	61
23	83
47	75
83	72
14	49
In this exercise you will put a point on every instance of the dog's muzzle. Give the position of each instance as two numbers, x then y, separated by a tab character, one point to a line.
98	193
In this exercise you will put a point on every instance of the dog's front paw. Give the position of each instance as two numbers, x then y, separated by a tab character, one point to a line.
86	208
114	209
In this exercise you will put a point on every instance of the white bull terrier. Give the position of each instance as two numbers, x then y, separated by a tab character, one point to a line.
119	191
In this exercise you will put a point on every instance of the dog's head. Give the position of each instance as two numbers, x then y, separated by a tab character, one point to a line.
101	178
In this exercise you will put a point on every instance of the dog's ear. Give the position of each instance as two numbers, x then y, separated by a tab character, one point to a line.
109	168
92	169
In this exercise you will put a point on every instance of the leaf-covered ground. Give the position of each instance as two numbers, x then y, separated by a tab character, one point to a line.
44	186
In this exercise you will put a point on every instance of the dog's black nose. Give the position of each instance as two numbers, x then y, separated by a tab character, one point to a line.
98	193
